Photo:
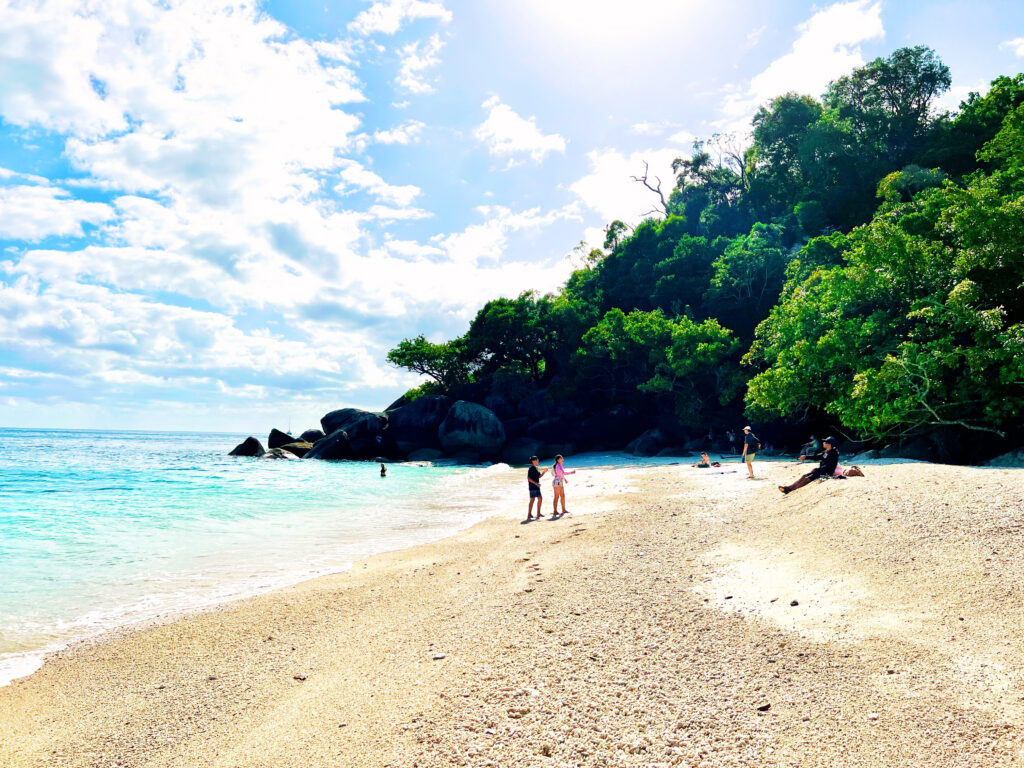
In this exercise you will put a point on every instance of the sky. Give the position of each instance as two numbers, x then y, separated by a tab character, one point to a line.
220	216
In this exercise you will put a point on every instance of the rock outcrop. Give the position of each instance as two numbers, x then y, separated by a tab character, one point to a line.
335	446
471	430
300	448
649	443
519	450
248	447
311	436
365	430
279	453
1011	459
277	438
414	426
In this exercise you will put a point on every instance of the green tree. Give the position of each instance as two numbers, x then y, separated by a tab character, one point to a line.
510	333
446	363
922	324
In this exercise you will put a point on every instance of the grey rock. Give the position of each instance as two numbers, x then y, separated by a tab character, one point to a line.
311	436
649	443
550	430
415	425
335	446
278	438
469	428
248	447
1011	459
515	427
520	450
365	430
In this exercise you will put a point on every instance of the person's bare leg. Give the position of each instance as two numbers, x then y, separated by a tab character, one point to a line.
750	468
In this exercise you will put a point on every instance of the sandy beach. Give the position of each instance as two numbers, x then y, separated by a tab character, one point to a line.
677	617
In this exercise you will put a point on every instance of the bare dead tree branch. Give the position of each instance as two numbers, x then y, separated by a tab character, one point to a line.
655	188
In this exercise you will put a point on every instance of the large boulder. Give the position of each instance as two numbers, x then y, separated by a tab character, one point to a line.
1011	459
300	448
520	450
608	430
335	446
414	426
365	430
502	406
515	427
649	443
248	447
470	429
916	449
536	406
311	436
277	438
552	430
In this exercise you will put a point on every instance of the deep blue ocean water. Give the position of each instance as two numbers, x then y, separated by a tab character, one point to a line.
100	529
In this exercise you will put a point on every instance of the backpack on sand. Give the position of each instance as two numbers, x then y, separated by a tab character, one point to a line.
853	471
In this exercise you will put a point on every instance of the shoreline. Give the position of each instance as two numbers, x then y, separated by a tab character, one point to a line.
21	664
646	632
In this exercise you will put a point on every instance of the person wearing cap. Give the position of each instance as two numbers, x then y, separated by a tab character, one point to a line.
751	445
826	468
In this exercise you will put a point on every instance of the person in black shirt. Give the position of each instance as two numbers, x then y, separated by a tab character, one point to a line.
826	468
533	476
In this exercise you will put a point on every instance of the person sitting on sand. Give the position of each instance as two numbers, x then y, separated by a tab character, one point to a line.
559	481
706	462
533	475
827	467
751	445
811	450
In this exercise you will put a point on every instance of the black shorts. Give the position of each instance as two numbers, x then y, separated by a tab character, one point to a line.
535	492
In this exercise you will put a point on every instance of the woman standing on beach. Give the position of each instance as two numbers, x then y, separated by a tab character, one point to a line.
559	471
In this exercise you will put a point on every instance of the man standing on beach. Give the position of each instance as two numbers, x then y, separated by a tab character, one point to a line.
533	476
751	445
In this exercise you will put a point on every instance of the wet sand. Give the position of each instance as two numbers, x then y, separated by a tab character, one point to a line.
687	618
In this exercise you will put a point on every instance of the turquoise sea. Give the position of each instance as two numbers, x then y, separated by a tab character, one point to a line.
101	529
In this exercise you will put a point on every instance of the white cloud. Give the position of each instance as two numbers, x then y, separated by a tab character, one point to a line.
609	190
417	58
487	241
509	135
388	16
649	129
827	47
683	137
389	213
1016	45
406	133
951	99
34	212
354	174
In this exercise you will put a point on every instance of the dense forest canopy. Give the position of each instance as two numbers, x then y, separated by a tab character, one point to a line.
857	265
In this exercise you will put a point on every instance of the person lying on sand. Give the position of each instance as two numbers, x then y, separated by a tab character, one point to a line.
827	467
533	475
